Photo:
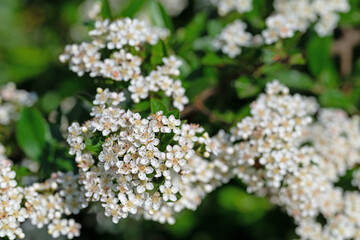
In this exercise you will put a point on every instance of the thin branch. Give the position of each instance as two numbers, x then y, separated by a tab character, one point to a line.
344	47
199	105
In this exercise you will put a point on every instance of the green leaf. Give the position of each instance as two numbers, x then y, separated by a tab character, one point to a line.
175	113
165	140
214	27
50	101
212	59
26	62
132	8
335	98
293	79
106	10
186	221
20	172
297	59
64	164
196	27
32	132
157	182
329	78
94	145
157	53
159	16
319	55
156	105
245	87
142	106
249	208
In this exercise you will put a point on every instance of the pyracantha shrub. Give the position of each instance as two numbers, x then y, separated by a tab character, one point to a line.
151	166
119	51
288	18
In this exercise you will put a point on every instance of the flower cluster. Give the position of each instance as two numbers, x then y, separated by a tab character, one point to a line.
159	79
151	167
336	139
292	16
125	39
288	18
232	38
267	139
283	155
226	6
11	101
41	203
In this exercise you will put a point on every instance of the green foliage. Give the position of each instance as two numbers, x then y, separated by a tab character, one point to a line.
246	87
35	32
132	8
159	16
32	132
94	145
106	10
157	105
250	209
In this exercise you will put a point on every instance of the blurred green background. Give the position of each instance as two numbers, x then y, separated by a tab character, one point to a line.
34	32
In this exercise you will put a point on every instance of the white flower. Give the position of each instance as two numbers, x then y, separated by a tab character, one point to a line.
169	191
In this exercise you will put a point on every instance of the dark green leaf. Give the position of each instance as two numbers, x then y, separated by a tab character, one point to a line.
159	16
245	87
293	79
20	172
335	98
64	164
157	182
165	140
318	54
157	54
214	27
157	105
175	113
297	59
94	145
142	106
196	27
106	10
212	59
132	8
32	132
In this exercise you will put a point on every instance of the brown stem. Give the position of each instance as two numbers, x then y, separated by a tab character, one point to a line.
199	105
344	46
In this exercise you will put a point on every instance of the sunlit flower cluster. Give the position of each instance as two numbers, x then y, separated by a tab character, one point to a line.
160	79
232	38
226	6
336	139
281	154
124	41
289	17
42	203
153	166
292	16
267	139
11	102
